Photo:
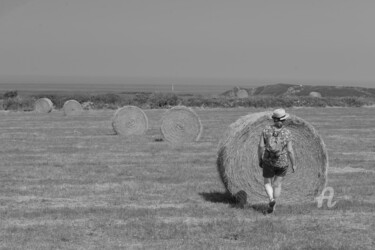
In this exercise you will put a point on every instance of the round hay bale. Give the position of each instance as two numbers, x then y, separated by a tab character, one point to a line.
238	164
242	93
315	94
72	107
181	124
130	120
43	105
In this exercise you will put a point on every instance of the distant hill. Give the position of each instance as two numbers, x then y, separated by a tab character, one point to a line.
283	89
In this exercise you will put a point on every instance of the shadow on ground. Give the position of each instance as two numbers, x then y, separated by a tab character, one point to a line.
219	197
237	201
261	207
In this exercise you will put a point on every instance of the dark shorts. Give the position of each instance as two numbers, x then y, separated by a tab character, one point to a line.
270	171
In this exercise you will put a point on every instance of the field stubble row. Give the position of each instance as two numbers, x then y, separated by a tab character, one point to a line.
70	182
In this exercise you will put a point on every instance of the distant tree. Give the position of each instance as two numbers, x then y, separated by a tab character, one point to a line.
141	98
161	100
10	94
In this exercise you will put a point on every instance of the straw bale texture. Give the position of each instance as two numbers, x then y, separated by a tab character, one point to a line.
72	107
181	124
315	94
130	120
242	93
238	164
43	105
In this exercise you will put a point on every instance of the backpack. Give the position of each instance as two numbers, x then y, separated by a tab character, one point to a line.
274	146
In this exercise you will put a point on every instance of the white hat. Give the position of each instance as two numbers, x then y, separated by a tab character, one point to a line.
280	114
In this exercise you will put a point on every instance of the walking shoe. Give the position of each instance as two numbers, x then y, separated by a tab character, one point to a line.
271	206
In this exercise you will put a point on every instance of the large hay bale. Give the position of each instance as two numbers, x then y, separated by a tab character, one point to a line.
43	105
72	107
181	124
238	164
130	120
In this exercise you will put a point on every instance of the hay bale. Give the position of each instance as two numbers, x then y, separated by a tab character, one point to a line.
43	105
315	94
130	120
239	169
181	124
72	107
242	93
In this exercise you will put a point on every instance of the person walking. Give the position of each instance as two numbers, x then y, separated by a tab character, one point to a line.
275	146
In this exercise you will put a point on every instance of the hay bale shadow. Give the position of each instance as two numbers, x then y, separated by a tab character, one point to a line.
260	207
219	197
239	200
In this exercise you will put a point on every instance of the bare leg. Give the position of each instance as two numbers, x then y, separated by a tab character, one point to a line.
277	186
268	187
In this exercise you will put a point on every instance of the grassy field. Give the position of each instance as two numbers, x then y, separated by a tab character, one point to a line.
70	183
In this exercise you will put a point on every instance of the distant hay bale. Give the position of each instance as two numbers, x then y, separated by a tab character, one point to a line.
181	124
43	105
242	93
130	120
239	170
72	107
315	94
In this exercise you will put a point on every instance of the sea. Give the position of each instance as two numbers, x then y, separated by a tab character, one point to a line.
96	88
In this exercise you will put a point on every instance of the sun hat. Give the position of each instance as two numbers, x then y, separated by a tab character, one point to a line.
280	114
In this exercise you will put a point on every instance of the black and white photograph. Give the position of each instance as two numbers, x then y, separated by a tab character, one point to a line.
187	124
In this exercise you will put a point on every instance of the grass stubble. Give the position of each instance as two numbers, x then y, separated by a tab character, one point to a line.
70	183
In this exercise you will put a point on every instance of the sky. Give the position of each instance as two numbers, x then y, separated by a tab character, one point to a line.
328	42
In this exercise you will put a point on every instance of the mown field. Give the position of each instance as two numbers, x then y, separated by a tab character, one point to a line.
70	183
